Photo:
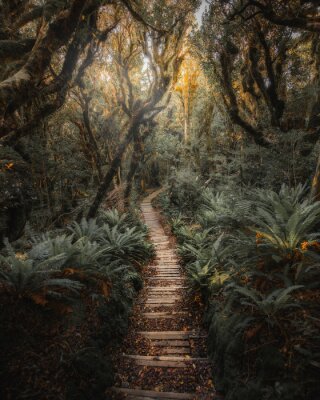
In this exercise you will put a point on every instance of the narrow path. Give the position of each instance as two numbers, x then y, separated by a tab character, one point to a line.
164	355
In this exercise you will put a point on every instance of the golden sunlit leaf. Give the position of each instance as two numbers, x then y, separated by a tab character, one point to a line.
9	165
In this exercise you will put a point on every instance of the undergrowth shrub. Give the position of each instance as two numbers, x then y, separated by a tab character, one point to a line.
254	257
88	276
185	189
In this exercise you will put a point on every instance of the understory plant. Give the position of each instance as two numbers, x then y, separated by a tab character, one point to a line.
90	272
254	259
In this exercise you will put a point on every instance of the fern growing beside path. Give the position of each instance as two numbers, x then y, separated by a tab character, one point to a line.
79	284
254	258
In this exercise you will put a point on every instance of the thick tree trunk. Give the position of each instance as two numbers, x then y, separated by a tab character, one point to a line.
92	140
136	157
15	49
315	188
115	164
233	106
17	89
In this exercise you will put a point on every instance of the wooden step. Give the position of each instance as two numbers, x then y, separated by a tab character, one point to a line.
170	343
163	296
176	350
165	358
157	305
165	314
170	334
162	301
165	288
161	289
178	273
151	394
165	361
164	278
167	268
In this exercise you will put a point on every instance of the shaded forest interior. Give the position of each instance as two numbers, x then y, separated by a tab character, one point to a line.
216	101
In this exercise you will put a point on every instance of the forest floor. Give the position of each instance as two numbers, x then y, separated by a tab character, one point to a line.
164	355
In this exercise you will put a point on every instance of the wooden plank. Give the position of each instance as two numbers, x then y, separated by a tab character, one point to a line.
165	361
134	393
166	358
161	301
168	264
168	271
157	305
160	289
169	268
165	288
162	364
176	350
165	314
163	296
171	334
165	279
162	293
174	343
166	334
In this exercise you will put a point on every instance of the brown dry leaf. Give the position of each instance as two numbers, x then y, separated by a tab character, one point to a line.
105	289
39	299
70	271
250	333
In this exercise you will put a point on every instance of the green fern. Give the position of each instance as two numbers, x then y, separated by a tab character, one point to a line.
28	279
270	304
86	228
129	246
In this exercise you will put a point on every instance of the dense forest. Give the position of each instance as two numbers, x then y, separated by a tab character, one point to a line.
213	106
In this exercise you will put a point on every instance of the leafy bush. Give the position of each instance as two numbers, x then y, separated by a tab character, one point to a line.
89	274
255	260
185	191
25	278
129	246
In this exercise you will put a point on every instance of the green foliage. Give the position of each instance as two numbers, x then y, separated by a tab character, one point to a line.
91	252
128	246
185	191
23	278
87	228
254	259
268	305
84	276
113	217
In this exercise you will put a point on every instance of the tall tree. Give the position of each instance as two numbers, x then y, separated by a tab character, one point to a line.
163	54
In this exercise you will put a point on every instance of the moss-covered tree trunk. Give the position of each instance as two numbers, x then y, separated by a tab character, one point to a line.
113	170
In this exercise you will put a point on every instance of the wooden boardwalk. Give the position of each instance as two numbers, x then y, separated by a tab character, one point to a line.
162	364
